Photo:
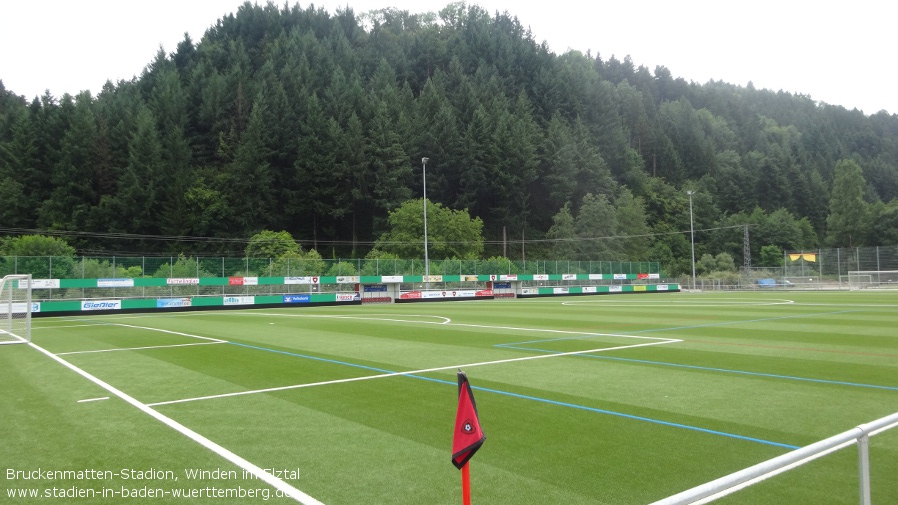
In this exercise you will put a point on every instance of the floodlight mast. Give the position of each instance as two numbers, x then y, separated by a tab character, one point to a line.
426	260
692	236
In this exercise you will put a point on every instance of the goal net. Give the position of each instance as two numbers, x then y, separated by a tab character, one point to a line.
15	309
865	279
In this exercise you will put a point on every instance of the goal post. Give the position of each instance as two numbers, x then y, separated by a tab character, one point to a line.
865	279
15	309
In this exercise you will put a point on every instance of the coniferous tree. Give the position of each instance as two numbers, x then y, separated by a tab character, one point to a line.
327	116
69	204
848	212
563	235
596	227
391	172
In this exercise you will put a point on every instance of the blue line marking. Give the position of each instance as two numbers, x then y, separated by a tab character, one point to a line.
515	345
316	358
712	369
532	398
673	328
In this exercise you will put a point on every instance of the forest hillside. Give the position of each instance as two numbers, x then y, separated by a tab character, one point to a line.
290	118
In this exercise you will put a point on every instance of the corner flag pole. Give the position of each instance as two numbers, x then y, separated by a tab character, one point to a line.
468	435
466	484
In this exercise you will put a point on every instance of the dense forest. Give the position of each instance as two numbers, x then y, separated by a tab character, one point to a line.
291	118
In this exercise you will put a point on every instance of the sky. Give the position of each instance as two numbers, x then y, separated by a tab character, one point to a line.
838	53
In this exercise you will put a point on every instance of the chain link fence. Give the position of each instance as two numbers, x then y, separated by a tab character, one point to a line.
46	267
855	268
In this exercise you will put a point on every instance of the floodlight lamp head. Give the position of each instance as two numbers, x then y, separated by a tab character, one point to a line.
424	160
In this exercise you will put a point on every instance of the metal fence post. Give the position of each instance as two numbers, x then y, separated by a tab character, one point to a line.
863	453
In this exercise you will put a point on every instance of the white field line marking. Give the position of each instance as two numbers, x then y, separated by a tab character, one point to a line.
63	326
366	317
86	400
448	322
413	372
182	334
258	472
138	348
683	302
218	340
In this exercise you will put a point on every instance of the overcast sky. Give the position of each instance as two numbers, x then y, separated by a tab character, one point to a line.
839	53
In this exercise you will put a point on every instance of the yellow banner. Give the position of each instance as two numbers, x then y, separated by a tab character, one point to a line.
805	256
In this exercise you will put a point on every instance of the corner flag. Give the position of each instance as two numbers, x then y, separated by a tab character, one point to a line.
468	436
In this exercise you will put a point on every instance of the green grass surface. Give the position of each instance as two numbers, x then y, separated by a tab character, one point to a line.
730	380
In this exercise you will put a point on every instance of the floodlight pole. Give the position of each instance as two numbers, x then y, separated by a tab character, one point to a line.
426	260
692	236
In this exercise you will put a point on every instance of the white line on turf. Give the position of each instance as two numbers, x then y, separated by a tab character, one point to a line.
366	317
86	400
218	340
413	372
189	335
138	348
258	472
448	322
686	302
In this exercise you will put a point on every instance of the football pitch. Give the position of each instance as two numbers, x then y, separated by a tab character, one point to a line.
621	399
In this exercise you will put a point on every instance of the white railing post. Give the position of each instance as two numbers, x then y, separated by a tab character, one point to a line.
863	455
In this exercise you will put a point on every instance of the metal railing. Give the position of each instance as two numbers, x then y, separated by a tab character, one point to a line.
726	485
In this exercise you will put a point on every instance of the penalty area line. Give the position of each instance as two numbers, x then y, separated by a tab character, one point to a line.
138	348
246	465
170	332
399	374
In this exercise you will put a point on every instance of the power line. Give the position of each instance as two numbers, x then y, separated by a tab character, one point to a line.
232	240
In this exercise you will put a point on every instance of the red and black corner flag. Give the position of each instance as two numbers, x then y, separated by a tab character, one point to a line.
467	437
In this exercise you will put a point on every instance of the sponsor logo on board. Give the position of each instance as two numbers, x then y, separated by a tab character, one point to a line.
239	300
182	281
164	303
115	283
101	305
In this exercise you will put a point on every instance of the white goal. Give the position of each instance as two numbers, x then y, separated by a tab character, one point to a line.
865	279
15	309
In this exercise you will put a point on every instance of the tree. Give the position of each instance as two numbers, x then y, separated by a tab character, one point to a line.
771	256
708	263
885	224
142	185
564	234
295	119
36	245
450	233
631	226
35	251
73	193
596	226
389	163
250	183
848	212
271	244
21	184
